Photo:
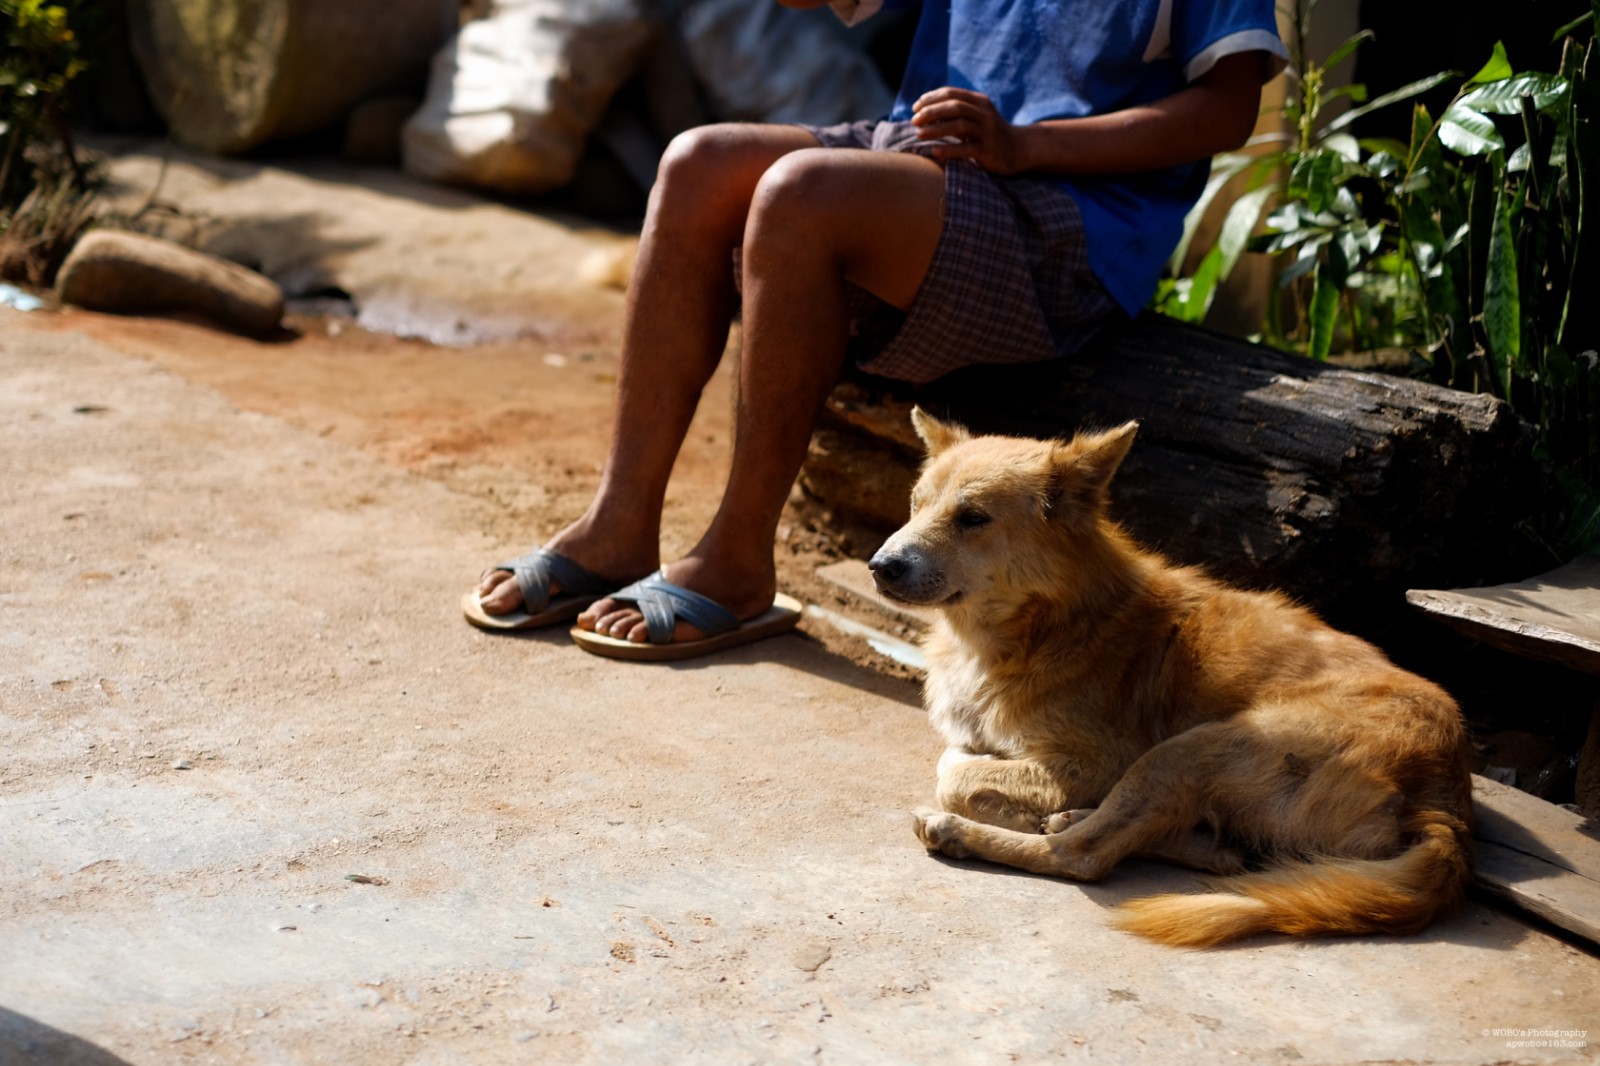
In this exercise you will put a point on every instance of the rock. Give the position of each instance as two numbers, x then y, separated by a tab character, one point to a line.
810	955
132	274
229	74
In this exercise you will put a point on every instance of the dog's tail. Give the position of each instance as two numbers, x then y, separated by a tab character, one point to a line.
1320	897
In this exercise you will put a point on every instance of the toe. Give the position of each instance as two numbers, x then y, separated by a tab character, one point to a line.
499	592
590	617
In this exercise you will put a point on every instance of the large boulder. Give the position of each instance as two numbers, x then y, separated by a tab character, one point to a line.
229	74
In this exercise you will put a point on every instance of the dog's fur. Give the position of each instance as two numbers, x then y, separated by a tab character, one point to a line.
1226	730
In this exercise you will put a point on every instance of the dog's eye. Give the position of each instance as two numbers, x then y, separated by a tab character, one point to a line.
970	519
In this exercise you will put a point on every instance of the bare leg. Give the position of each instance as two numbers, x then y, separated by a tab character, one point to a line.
819	218
679	306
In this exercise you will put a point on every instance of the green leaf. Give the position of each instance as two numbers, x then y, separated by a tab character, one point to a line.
1467	132
1372	238
1203	286
1498	67
1504	97
1344	145
1322	313
1350	44
1580	319
1346	249
1239	223
1305	260
1561	371
1312	179
1356	92
1223	169
1587	16
1424	152
1502	304
1405	92
1310	249
1345	204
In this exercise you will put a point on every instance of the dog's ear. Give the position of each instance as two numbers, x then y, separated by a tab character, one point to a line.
935	434
1102	453
1085	465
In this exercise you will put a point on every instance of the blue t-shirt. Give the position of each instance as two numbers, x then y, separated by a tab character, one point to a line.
1044	59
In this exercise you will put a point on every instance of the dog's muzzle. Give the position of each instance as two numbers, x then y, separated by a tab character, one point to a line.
906	574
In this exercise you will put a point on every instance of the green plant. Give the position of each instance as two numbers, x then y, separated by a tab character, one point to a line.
1498	202
1331	216
1474	245
45	186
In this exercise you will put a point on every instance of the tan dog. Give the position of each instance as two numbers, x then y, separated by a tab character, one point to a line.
1068	669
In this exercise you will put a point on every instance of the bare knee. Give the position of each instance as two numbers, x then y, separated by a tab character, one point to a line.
708	174
800	192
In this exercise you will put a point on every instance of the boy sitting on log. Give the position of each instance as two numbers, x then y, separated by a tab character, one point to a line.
1026	189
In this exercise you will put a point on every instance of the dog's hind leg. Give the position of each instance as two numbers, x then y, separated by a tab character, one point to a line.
1201	848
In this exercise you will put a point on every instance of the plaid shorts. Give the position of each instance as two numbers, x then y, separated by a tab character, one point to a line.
1009	283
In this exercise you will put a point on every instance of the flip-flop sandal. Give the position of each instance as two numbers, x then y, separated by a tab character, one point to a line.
663	604
534	573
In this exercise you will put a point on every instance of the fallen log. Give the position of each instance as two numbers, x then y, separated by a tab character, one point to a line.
1336	486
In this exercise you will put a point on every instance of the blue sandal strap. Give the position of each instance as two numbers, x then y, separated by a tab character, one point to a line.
536	570
662	603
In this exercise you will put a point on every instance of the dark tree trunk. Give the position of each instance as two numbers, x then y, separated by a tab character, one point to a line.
1272	471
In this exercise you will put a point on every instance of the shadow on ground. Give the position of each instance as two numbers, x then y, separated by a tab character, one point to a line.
26	1040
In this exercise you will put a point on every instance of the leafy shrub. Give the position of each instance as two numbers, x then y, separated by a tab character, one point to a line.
1474	245
45	187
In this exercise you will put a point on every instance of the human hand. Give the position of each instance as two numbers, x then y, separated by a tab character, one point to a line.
972	128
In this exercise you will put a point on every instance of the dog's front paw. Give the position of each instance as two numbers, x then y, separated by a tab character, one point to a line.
940	831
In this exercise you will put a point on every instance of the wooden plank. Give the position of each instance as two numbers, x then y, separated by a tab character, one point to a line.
1537	856
1553	617
1511	817
1537	887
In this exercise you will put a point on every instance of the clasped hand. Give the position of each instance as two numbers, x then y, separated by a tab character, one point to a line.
971	127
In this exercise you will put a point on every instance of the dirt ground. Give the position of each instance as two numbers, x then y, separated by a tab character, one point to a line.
499	384
518	434
267	799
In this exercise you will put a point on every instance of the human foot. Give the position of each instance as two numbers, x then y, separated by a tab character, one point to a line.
549	585
742	594
659	619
